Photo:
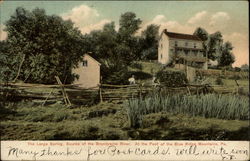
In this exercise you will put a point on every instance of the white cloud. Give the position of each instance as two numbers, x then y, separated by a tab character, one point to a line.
97	26
219	18
164	23
3	34
198	17
211	22
85	18
81	15
159	19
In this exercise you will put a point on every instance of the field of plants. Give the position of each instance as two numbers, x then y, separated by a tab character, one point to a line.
230	107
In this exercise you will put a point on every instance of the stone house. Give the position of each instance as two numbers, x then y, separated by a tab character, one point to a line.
178	48
88	71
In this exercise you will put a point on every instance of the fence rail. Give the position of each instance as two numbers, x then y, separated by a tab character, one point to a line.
105	92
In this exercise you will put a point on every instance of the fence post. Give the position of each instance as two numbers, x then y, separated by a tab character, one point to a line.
187	88
140	91
47	97
65	96
100	92
237	88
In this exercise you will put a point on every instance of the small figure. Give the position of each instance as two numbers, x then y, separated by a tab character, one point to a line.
132	80
155	82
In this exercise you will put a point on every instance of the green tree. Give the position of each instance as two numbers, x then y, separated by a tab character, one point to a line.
211	43
104	47
102	43
129	24
201	33
215	45
115	50
149	42
49	45
127	47
227	58
6	63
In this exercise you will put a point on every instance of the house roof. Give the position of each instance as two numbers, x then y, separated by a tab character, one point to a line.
181	36
92	58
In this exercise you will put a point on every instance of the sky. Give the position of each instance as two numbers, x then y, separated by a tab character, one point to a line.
229	17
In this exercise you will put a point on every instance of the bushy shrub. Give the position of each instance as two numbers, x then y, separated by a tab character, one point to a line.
140	75
172	78
237	69
114	72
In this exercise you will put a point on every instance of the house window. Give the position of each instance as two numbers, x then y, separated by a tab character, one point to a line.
176	43
186	44
194	45
161	46
85	63
161	56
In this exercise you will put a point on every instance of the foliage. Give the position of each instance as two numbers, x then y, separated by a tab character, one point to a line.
51	46
237	69
208	106
6	63
149	42
114	72
115	50
212	43
127	47
129	24
103	46
140	75
245	67
201	33
172	78
227	58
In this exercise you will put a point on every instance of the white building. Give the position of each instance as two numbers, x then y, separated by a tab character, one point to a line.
88	71
181	48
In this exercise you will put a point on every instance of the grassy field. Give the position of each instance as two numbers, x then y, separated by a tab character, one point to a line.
28	120
147	67
109	121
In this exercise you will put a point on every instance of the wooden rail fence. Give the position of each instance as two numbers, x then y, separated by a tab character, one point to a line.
105	92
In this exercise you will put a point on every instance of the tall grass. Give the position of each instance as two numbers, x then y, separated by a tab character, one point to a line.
209	106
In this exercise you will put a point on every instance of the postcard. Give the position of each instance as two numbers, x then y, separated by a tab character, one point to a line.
124	80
